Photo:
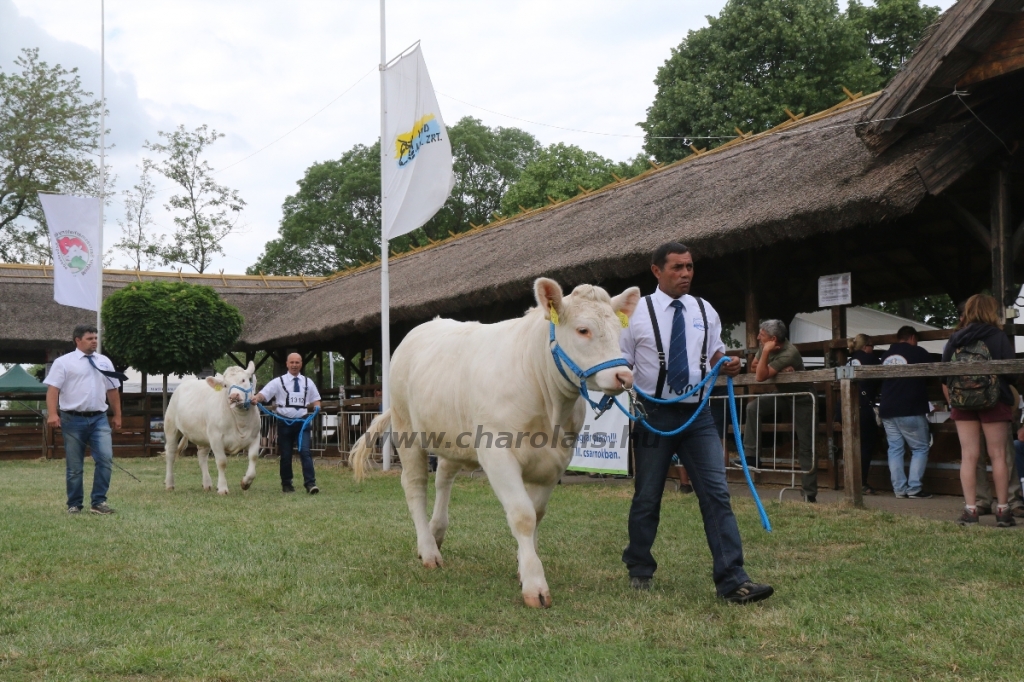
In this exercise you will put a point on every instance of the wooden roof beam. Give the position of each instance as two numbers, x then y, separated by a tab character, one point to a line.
967	220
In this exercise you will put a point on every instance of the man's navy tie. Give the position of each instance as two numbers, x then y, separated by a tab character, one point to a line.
678	362
106	373
296	389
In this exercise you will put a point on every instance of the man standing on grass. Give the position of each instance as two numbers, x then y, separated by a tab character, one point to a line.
81	385
294	395
671	341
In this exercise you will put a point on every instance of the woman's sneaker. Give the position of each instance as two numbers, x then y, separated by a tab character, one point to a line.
968	517
1004	518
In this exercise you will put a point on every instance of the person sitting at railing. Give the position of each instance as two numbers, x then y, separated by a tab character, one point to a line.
980	402
862	353
903	407
777	354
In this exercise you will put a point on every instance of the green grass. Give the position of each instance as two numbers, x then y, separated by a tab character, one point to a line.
263	586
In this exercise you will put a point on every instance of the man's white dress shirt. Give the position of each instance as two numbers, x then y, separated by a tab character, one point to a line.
640	350
291	404
82	387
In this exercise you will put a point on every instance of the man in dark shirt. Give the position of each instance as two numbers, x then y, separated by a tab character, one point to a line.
904	404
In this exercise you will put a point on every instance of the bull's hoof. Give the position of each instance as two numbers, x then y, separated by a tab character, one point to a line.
170	488
222	492
538	601
246	485
431	561
207	488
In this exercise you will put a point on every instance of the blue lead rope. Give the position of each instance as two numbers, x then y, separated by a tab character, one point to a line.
711	378
305	421
562	358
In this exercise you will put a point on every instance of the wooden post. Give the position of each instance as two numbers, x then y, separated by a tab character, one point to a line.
143	387
850	405
838	332
753	321
1002	235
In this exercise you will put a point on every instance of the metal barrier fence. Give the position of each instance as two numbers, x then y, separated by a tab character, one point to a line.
786	414
333	434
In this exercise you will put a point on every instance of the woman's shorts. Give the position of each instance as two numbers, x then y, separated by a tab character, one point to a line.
1000	413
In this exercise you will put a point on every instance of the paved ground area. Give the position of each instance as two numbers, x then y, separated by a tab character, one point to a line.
940	507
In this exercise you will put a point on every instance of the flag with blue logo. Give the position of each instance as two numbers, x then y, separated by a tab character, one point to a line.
416	155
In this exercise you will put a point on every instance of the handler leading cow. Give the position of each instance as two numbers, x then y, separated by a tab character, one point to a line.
214	415
488	380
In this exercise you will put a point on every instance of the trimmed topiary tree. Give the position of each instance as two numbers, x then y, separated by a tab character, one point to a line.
168	327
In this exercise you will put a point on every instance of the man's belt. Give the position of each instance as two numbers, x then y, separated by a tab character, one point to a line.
76	413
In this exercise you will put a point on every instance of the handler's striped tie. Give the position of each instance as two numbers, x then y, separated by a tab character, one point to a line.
678	362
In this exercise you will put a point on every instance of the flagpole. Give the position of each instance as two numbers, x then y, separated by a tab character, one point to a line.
103	173
385	293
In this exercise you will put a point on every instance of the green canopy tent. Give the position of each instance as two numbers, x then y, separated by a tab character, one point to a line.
17	380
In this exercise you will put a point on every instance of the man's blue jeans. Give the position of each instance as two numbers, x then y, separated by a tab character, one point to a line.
700	451
94	432
287	434
913	430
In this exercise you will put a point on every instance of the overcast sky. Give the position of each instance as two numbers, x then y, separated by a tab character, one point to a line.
255	69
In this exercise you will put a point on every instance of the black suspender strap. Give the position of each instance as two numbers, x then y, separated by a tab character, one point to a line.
662	369
704	348
305	391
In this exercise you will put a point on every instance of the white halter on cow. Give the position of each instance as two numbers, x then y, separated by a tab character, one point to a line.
468	383
214	414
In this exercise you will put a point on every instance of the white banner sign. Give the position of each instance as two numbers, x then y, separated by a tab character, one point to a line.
603	445
74	225
835	290
416	157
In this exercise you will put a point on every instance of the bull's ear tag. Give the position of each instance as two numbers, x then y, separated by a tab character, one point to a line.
217	387
623	319
553	314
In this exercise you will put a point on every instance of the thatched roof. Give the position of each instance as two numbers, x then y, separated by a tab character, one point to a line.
972	42
805	178
32	322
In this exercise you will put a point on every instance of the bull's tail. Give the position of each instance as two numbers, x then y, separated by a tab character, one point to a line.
363	448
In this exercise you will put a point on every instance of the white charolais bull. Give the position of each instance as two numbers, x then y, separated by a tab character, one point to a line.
468	383
212	414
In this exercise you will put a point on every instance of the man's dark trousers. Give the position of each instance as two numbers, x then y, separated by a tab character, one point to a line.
700	451
286	436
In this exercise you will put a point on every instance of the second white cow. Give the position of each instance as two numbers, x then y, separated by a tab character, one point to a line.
214	414
468	386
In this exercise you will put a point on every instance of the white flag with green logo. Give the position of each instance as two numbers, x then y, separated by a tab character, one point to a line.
74	225
416	156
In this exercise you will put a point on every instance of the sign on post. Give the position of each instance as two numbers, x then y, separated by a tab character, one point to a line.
835	290
603	445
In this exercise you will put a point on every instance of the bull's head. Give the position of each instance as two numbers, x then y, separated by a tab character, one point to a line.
587	327
240	384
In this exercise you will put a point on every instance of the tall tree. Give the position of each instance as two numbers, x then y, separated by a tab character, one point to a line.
138	242
49	127
206	211
752	61
333	221
892	29
559	171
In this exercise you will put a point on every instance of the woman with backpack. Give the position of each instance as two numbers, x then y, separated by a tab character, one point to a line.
980	402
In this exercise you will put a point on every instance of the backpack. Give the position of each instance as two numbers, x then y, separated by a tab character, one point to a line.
973	392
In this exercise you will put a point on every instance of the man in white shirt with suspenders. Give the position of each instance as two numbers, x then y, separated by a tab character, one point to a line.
294	394
81	384
667	344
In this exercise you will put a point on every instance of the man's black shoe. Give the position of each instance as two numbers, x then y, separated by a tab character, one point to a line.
640	583
312	490
811	499
287	488
749	592
919	495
